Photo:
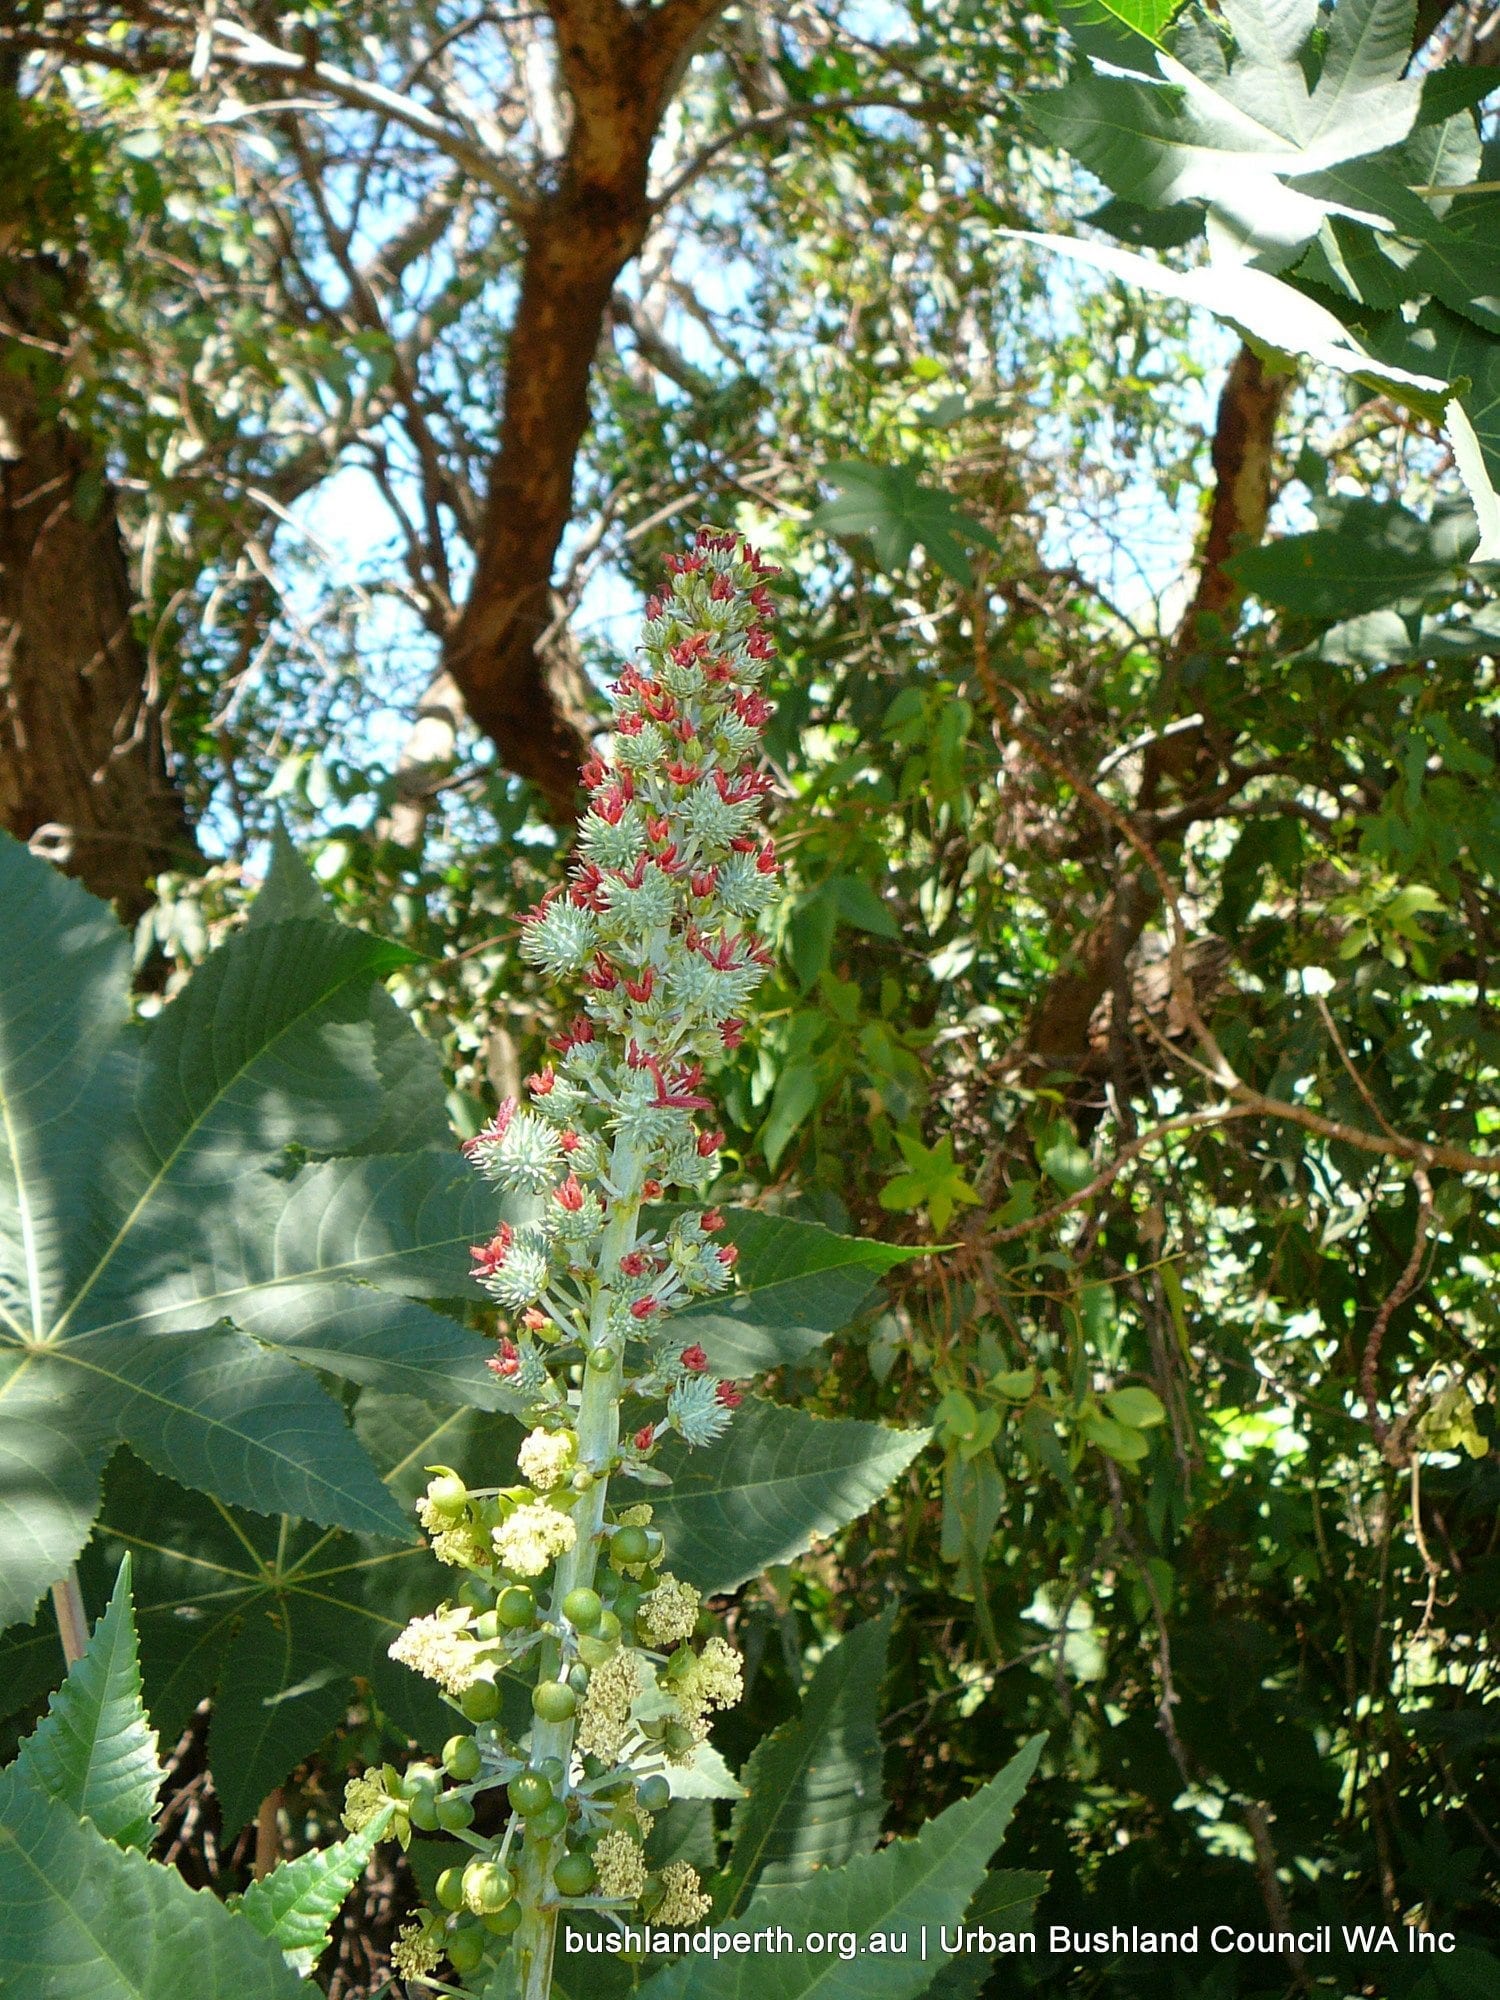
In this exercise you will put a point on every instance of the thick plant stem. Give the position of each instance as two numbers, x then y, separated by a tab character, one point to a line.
72	1619
598	1438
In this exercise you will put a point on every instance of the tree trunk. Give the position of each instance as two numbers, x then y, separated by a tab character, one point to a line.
83	771
508	653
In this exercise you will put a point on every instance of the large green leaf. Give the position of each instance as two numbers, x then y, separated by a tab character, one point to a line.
83	1919
1004	1904
913	1888
1230	135
167	1278
813	1794
276	1620
296	1903
1374	554
798	1283
772	1485
94	1750
890	507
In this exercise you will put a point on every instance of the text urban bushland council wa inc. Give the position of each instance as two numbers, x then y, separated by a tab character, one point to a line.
1223	1940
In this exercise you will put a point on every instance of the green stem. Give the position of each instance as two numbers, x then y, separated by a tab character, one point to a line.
598	1439
72	1618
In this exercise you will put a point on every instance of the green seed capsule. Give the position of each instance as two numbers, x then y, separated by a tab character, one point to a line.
678	1740
461	1759
609	1628
553	1701
583	1608
487	1625
447	1494
654	1542
549	1822
578	1678
487	1887
481	1702
454	1813
450	1888
550	1768
421	1778
628	1546
424	1812
516	1607
654	1793
503	1922
529	1793
574	1875
601	1360
466	1950
594	1652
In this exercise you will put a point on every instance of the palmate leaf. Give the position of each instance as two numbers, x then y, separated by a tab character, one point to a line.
94	1750
278	1621
813	1791
891	508
297	1902
798	1283
162	1273
1375	553
83	1919
775	1483
1229	134
912	1887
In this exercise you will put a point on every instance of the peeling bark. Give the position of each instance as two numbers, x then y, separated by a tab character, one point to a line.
83	768
519	683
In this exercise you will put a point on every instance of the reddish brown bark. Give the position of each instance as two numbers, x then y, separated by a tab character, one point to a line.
83	770
619	68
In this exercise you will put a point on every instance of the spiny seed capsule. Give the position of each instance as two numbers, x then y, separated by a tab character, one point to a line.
553	1701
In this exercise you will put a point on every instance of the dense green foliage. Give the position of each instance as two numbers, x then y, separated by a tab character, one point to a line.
1178	1451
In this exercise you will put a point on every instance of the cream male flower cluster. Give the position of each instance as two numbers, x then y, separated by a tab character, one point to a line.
605	1171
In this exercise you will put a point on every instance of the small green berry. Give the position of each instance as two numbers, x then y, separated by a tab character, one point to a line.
529	1793
628	1546
583	1609
574	1875
424	1812
466	1950
461	1759
654	1793
549	1822
450	1888
553	1701
678	1739
503	1922
578	1678
487	1887
516	1607
601	1360
609	1629
550	1768
447	1494
487	1625
481	1701
454	1813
